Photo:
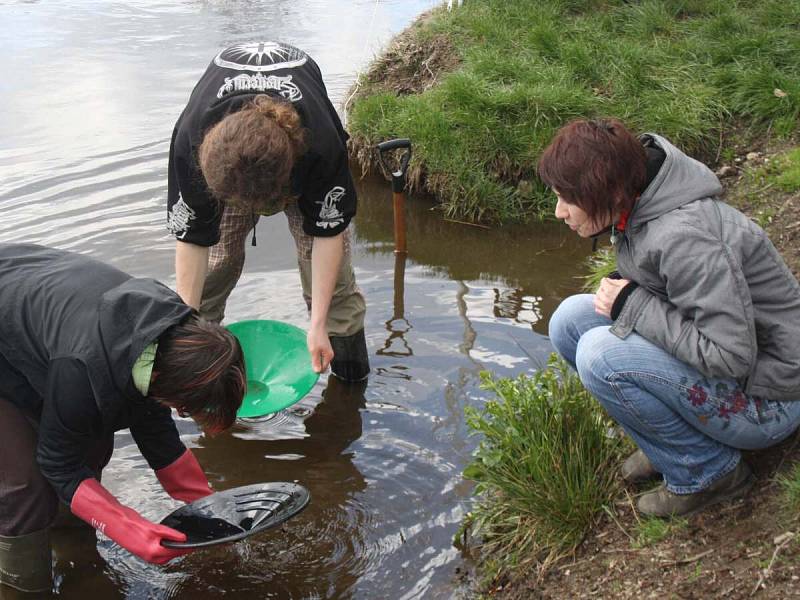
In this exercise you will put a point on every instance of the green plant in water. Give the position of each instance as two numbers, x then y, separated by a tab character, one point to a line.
545	467
601	264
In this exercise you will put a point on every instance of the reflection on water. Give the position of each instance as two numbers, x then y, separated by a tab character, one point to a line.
398	326
89	100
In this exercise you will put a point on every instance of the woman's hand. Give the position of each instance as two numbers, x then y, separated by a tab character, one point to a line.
606	294
320	348
94	504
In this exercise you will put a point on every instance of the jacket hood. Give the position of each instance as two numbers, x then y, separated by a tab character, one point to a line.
131	316
680	180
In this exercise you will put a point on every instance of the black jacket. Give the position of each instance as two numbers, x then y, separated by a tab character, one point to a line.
71	329
321	177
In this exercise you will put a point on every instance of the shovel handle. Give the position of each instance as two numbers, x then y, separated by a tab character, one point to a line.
399	176
394	144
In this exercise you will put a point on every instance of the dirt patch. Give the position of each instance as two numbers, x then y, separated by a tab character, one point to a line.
414	61
736	550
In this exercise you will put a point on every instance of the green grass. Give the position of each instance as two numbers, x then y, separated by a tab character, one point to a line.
790	486
650	531
780	174
786	171
545	468
685	68
601	264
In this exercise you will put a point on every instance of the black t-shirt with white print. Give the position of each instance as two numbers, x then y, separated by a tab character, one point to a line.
320	178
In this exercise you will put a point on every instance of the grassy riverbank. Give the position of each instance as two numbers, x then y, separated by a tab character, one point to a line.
481	89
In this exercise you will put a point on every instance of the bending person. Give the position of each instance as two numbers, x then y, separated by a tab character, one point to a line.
693	347
259	136
87	350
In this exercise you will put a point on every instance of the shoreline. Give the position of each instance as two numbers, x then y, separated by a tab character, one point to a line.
732	545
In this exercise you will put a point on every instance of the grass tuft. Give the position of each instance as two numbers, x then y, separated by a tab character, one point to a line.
790	485
787	171
545	468
651	530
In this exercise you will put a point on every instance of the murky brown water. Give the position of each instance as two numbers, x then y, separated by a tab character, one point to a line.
90	92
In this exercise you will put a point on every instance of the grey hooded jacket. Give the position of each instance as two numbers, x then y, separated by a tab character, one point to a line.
713	290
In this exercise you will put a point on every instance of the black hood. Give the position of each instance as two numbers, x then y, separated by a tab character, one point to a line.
57	305
130	317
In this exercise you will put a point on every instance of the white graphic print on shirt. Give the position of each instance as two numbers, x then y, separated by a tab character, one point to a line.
329	213
179	218
259	83
263	56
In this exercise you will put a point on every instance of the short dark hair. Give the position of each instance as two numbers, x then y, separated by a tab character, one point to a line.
247	158
200	372
597	165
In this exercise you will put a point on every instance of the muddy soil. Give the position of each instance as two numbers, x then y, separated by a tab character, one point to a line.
413	63
736	550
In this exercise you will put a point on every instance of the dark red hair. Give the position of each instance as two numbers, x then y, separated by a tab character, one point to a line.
597	165
200	373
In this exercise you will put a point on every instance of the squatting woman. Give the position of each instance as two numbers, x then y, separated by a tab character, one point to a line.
693	347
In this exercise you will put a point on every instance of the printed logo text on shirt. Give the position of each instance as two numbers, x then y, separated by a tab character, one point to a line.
179	217
329	214
260	83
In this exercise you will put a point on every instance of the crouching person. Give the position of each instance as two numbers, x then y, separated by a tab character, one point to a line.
87	350
694	347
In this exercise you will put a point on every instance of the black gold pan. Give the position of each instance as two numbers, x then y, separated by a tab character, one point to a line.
235	514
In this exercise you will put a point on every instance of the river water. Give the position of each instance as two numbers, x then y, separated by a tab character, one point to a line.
89	92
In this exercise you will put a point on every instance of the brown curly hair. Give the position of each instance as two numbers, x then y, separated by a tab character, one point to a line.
247	157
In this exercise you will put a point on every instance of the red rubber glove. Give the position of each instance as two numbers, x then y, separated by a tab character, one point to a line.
184	479
94	504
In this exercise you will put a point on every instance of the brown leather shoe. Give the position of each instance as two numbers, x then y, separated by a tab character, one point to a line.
637	468
663	503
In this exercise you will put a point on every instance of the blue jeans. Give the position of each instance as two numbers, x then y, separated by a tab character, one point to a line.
690	426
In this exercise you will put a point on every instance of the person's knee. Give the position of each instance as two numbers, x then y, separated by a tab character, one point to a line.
346	314
562	328
27	501
592	356
225	264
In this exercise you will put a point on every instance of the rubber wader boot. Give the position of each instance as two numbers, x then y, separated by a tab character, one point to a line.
350	361
26	562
